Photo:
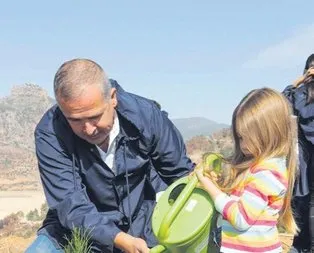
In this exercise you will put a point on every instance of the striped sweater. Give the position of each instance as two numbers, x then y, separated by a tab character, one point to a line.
250	213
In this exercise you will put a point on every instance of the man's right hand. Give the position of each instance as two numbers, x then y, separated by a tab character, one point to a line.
130	244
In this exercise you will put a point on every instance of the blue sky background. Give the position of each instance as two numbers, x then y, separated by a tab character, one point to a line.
197	58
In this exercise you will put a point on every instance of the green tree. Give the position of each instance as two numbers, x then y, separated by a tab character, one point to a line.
43	210
33	215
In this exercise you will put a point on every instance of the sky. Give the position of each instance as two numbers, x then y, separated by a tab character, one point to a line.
196	58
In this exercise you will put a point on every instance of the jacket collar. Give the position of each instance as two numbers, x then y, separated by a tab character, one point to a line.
128	113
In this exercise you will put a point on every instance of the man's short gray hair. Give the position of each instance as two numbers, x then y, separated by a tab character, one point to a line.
74	76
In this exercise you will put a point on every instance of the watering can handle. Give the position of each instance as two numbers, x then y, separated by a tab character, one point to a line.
177	206
183	197
157	249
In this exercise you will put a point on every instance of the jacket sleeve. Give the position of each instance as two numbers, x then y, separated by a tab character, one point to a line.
288	93
307	125
66	194
305	113
168	151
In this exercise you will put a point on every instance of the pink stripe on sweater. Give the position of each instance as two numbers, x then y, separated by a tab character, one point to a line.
226	209
251	248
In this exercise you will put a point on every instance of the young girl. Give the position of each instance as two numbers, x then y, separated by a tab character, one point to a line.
254	195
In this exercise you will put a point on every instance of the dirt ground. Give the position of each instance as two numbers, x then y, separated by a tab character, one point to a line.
14	244
14	201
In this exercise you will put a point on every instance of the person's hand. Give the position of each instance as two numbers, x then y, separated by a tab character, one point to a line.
138	246
214	176
299	81
200	172
309	75
130	244
203	180
208	185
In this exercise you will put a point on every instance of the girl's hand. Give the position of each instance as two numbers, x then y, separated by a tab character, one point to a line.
192	174
208	185
214	176
202	178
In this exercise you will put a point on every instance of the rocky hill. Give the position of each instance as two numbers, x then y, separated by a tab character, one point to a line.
19	114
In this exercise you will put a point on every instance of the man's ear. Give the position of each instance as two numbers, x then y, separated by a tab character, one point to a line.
113	97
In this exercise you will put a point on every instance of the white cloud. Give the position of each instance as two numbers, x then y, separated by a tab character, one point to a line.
288	53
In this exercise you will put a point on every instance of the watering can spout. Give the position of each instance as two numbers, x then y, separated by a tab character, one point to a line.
213	160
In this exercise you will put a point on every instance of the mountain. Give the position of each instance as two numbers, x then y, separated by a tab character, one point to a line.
190	127
19	114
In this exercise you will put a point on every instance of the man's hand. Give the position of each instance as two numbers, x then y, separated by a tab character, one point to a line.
130	244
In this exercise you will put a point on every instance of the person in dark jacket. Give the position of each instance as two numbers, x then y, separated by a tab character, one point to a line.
103	155
301	96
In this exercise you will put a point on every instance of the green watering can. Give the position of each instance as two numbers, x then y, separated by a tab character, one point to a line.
183	217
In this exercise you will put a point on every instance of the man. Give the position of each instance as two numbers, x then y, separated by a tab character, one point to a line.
103	154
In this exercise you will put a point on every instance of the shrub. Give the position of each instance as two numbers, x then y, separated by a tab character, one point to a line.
79	242
33	215
43	210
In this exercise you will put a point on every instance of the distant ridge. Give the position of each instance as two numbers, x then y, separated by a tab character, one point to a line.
194	126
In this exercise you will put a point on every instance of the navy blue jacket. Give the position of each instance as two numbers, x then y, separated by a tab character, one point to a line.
82	191
305	115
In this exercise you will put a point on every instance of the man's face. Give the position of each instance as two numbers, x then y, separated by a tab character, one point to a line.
91	116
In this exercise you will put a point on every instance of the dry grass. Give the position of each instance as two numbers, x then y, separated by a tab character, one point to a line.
15	244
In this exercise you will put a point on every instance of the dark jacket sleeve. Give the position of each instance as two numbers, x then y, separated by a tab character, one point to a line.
297	98
66	194
306	120
288	93
168	151
305	113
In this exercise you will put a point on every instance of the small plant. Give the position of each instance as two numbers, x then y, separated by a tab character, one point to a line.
79	242
43	211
